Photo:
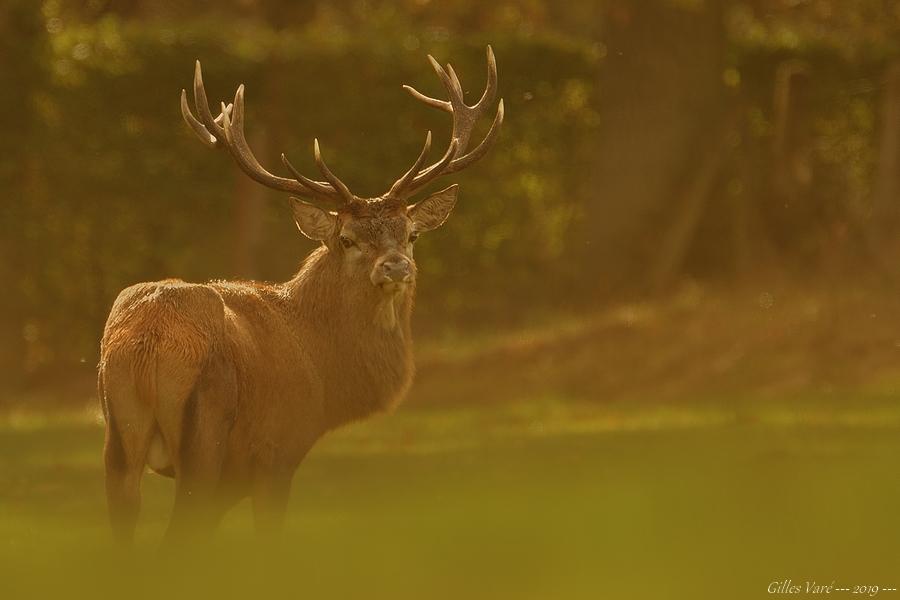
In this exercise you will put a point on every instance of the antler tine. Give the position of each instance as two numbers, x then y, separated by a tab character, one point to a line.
435	170
207	128
227	131
227	110
433	102
464	119
208	139
202	105
490	89
458	164
444	105
236	142
336	183
316	186
454	80
404	180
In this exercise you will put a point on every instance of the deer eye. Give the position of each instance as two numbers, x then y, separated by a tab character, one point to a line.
347	242
413	236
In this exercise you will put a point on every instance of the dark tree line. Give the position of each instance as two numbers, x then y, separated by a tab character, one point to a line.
646	142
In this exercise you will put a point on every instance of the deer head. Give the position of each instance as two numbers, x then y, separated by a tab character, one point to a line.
372	237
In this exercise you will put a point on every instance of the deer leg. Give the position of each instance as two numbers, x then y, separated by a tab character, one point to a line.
195	513
128	436
270	493
200	500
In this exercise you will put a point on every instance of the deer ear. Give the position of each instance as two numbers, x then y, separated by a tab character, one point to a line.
431	212
312	221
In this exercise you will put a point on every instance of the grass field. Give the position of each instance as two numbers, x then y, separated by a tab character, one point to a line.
641	453
525	501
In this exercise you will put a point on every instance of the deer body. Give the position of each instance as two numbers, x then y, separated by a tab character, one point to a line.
263	370
225	386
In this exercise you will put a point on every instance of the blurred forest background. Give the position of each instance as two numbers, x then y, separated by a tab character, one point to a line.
651	149
663	315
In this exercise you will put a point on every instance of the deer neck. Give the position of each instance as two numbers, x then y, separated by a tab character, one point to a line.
319	289
360	338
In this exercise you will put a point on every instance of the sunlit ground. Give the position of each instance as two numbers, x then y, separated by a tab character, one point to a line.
701	448
536	499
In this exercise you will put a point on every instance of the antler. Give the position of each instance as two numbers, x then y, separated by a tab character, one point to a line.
464	119
227	130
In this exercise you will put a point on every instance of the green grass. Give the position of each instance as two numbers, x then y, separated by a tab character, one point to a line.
537	499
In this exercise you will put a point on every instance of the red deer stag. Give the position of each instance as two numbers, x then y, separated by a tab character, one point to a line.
225	386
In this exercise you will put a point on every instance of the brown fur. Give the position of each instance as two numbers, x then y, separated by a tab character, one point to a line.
227	385
234	382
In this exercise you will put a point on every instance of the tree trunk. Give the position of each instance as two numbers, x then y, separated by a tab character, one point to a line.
251	198
21	47
660	85
886	202
750	243
790	207
249	203
677	239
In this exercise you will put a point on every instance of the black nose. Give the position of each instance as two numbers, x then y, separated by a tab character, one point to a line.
396	269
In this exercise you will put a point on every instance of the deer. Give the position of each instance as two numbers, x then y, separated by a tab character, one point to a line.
226	386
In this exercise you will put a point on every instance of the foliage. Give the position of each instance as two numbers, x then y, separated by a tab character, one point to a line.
122	193
107	187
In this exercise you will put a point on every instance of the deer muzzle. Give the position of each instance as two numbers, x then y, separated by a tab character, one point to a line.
393	271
